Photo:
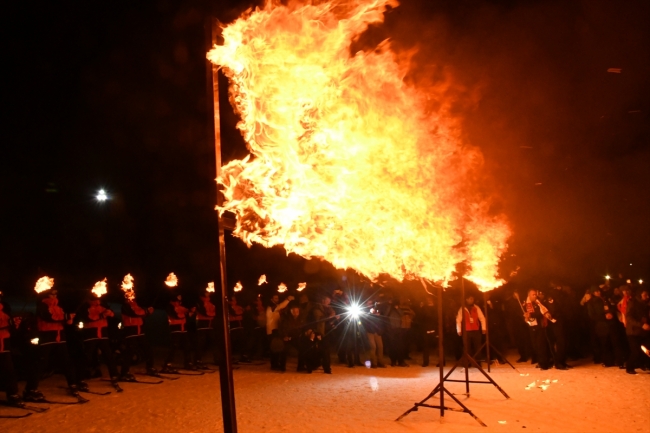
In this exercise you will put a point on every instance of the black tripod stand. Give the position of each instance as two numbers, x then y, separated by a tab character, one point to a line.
487	343
465	359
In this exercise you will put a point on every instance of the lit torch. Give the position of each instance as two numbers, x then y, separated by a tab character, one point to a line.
171	280
261	280
99	289
43	284
282	288
127	287
238	287
210	288
301	287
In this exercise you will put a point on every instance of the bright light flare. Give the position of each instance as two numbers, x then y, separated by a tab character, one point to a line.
101	196
301	287
34	341
43	284
261	280
238	287
640	281
171	280
210	288
81	325
282	288
607	277
99	289
354	310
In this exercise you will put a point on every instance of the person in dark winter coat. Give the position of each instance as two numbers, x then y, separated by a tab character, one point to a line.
603	313
636	325
177	315
428	317
134	339
7	372
537	322
93	326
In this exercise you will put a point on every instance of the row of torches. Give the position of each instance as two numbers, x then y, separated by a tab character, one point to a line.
99	289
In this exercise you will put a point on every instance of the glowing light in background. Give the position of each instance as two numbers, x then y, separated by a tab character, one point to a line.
101	196
238	287
210	288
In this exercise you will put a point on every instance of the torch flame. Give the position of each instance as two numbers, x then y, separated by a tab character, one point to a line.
262	280
171	280
210	288
99	289
238	287
282	288
301	287
349	163
43	284
127	282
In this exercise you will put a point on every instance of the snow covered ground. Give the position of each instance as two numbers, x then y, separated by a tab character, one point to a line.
588	398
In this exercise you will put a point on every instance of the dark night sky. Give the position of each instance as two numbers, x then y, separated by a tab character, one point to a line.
112	94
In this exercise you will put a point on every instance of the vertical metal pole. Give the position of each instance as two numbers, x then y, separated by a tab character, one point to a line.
225	367
487	331
441	355
464	331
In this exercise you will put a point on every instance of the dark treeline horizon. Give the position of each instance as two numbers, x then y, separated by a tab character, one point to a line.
113	96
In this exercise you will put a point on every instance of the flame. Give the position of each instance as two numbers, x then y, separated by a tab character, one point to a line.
210	288
301	287
348	163
127	282
262	280
99	289
171	280
238	287
81	325
282	288
43	284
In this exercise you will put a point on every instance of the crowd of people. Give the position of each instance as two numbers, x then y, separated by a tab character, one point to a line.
374	328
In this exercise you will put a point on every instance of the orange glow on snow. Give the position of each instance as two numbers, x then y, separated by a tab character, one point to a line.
346	161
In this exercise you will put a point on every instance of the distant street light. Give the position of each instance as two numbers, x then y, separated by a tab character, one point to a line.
101	196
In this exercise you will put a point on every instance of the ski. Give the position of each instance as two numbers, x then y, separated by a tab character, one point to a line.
95	392
194	373
80	400
89	392
159	376
25	415
27	407
148	382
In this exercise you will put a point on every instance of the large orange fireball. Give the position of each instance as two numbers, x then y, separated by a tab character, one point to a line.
346	164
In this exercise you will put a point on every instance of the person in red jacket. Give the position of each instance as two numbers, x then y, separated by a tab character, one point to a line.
134	339
177	315
93	326
7	371
205	314
51	342
474	324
